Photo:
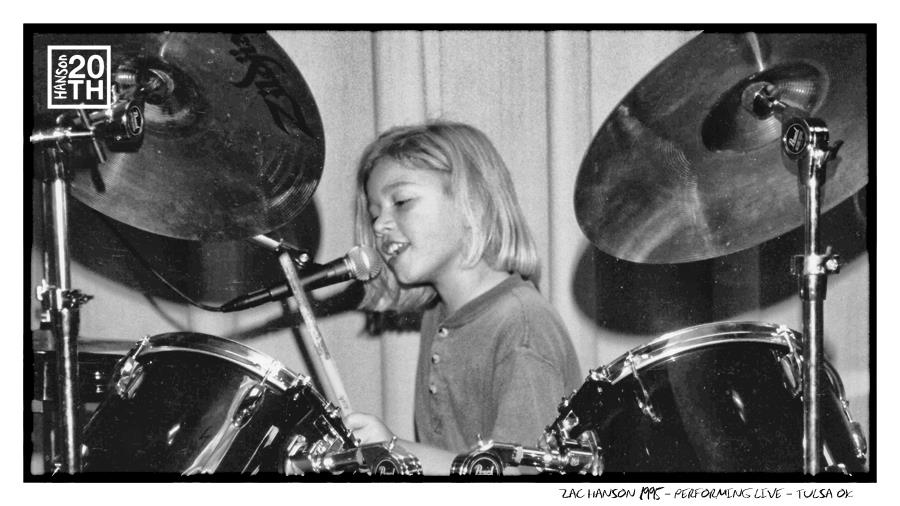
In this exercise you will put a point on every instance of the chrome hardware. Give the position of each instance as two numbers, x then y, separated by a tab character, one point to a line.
389	459
490	459
333	411
297	444
131	373
790	362
249	405
300	381
590	445
322	455
599	374
837	468
53	297
244	405
644	403
75	298
568	423
831	466
859	440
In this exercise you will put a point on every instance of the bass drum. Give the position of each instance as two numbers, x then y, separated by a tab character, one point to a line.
193	403
721	397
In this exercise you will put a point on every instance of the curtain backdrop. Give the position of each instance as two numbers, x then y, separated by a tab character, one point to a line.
540	96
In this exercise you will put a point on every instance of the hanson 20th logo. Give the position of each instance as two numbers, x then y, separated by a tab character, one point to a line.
78	77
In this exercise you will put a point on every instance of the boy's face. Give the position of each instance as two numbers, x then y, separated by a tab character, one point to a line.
418	228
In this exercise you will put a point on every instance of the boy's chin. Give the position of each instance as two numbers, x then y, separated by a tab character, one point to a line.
409	281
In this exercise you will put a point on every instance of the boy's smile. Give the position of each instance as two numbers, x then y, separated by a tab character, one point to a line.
418	227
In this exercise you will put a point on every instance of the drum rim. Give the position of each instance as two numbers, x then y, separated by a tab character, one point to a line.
227	349
699	336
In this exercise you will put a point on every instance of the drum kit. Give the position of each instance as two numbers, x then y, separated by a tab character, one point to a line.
677	173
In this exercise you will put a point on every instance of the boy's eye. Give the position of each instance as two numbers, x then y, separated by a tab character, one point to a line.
401	202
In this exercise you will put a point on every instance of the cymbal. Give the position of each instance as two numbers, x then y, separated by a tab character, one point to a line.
233	144
681	171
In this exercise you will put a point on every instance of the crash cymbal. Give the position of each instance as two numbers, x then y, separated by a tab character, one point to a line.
233	144
681	171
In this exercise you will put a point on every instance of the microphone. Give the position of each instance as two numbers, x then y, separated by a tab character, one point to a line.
361	262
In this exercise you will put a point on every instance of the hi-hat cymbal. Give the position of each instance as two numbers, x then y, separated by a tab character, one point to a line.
681	171
233	144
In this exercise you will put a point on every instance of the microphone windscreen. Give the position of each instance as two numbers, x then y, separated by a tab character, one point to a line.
365	263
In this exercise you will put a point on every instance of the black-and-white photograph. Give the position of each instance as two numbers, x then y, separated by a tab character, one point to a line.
585	255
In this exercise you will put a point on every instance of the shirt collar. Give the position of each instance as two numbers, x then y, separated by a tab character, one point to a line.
478	305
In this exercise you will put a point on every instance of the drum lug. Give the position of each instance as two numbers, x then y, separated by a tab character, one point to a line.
249	405
568	423
242	409
860	445
600	375
859	440
643	401
790	362
333	411
297	444
131	373
791	373
301	382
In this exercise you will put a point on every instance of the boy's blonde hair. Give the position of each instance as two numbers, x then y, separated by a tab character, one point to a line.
479	184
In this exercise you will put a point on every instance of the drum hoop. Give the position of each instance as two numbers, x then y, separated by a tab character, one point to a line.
698	336
232	351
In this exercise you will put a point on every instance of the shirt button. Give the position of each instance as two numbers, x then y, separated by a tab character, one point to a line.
432	388
443	332
435	358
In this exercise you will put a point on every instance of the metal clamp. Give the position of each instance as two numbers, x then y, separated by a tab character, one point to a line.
490	459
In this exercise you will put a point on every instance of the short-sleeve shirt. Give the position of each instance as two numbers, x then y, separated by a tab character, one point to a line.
496	368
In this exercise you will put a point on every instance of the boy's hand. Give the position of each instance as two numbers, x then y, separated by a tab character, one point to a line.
368	428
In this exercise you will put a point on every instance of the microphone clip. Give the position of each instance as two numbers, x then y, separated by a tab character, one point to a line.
300	256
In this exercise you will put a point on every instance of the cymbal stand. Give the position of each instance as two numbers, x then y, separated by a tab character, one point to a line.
805	140
61	304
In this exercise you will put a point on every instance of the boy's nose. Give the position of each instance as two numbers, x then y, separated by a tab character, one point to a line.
383	224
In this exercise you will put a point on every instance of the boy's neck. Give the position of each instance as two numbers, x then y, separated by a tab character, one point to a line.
468	284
